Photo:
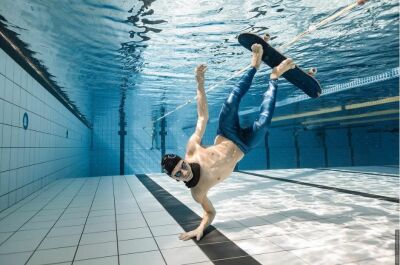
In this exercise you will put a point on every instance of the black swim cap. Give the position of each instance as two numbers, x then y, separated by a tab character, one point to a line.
169	162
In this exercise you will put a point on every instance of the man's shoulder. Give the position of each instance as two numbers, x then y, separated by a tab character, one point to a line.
194	148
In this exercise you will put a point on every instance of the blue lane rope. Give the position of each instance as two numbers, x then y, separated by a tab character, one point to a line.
358	82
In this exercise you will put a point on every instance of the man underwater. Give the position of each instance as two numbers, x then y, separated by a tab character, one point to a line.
202	168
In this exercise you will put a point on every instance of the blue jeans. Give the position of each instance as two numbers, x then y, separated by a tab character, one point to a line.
229	126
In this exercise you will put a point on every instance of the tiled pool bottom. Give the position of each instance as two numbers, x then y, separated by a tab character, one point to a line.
299	216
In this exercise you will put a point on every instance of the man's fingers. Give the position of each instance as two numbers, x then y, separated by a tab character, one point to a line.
185	236
201	67
188	235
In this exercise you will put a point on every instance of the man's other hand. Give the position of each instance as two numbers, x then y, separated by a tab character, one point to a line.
199	71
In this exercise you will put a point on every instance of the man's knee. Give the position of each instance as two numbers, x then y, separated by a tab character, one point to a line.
232	101
261	126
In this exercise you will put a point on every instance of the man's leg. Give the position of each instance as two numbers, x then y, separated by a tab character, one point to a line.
255	134
228	117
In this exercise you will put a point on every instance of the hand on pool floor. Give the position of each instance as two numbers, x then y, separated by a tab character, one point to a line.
197	233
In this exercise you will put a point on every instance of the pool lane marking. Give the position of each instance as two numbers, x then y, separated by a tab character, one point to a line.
218	248
359	172
369	121
327	110
356	116
359	193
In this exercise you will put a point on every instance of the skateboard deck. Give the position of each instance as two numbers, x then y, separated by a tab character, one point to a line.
273	58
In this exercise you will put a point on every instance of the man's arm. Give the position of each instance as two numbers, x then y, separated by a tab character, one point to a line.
202	109
209	213
208	217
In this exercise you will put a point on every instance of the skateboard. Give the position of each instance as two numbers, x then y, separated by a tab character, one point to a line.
272	57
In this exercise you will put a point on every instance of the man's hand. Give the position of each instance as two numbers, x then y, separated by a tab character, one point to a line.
198	233
199	71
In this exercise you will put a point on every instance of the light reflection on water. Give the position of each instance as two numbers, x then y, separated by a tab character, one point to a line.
147	49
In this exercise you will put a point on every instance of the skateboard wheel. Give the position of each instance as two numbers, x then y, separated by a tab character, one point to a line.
312	71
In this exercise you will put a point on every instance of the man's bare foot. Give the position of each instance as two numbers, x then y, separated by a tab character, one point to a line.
257	55
282	68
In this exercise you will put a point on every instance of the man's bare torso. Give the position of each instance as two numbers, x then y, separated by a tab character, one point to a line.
217	162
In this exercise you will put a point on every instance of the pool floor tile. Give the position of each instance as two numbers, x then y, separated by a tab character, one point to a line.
184	255
52	256
137	245
113	260
96	250
259	221
146	258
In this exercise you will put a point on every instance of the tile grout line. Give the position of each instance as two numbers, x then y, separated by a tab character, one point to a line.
283	250
87	244
93	223
39	179
32	95
87	216
34	251
40	192
34	215
115	219
151	232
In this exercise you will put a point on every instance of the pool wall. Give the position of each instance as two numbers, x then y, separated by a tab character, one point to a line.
54	145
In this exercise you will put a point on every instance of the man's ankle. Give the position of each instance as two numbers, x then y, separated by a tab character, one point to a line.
273	77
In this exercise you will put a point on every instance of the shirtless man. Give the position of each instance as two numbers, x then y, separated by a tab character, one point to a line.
202	168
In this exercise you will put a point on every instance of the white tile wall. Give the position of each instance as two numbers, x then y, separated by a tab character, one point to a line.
2	62
30	159
105	153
